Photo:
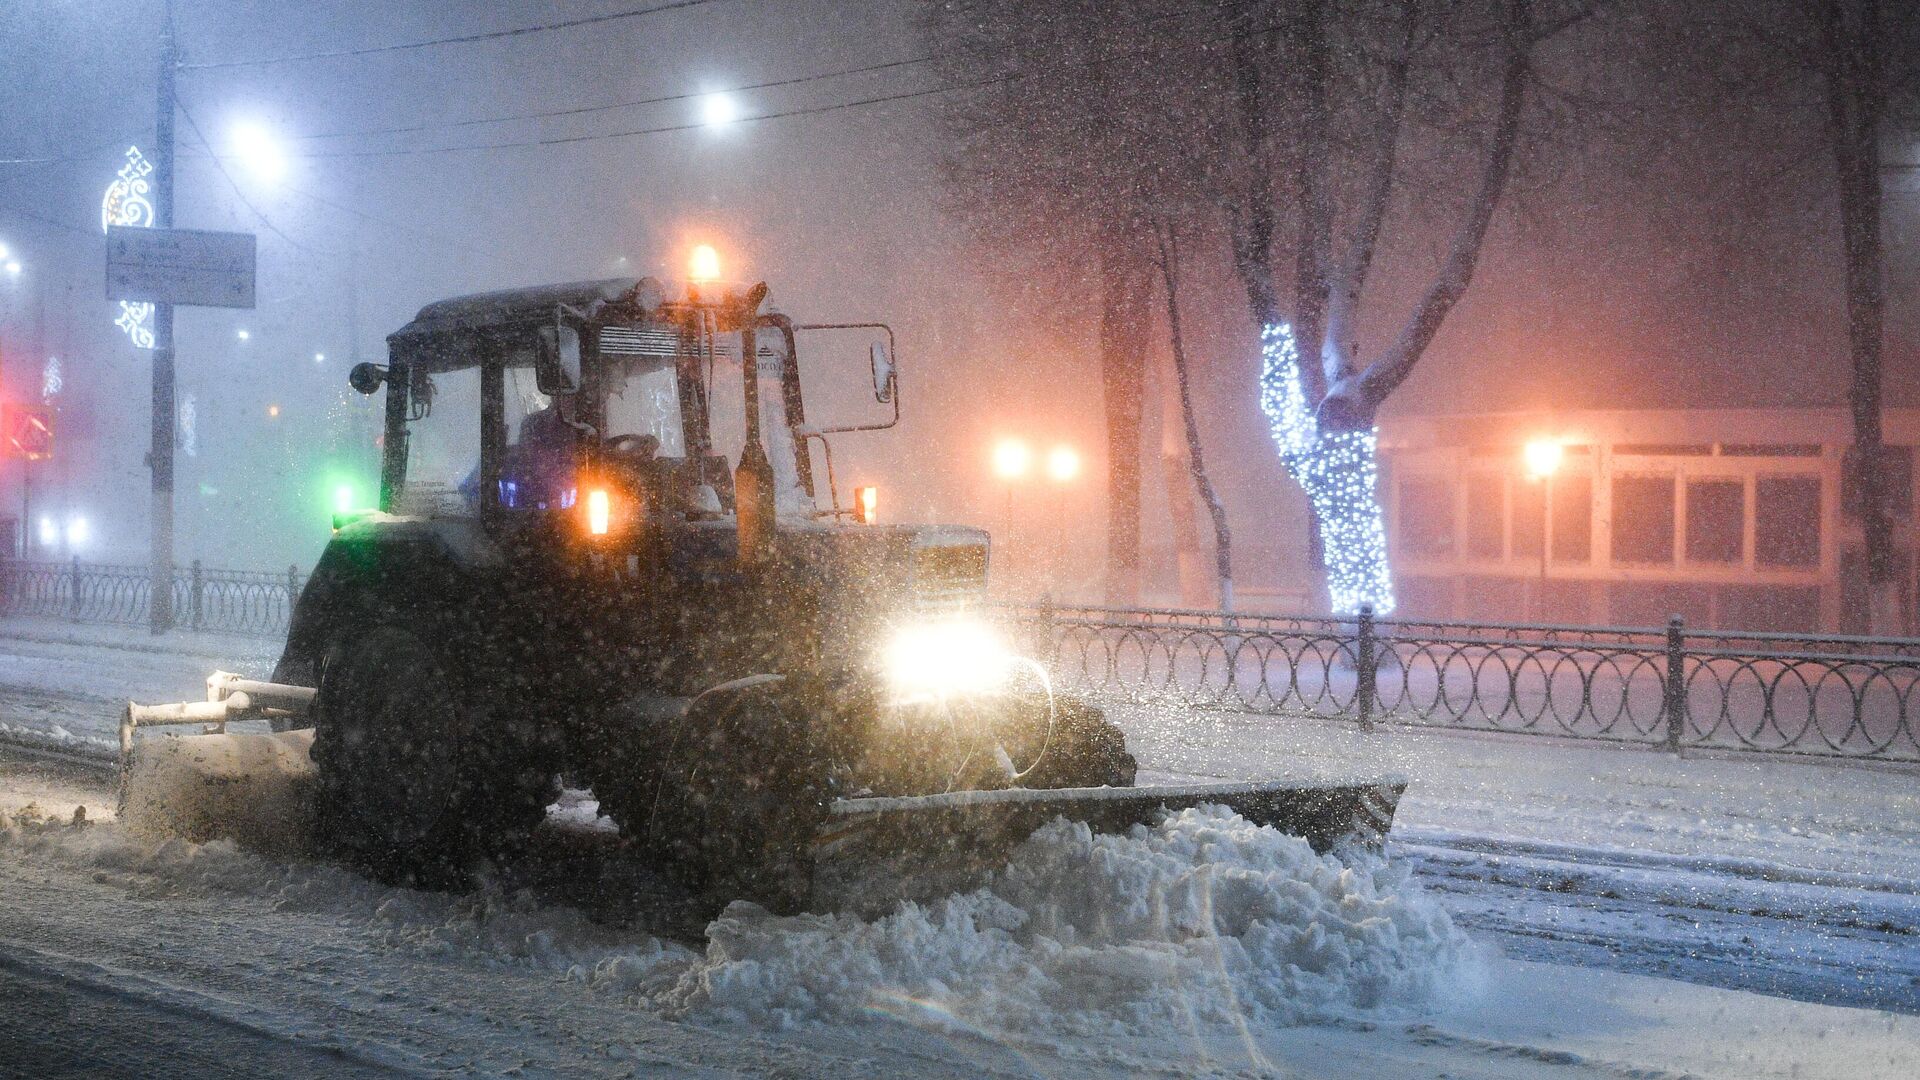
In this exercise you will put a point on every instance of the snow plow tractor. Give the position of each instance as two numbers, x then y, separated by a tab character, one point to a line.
603	552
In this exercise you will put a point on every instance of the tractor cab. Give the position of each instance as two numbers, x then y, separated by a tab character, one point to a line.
606	409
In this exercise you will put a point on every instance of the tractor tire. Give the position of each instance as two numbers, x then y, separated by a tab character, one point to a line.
1085	750
408	787
741	799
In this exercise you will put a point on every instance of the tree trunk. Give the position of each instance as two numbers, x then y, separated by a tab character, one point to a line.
1175	473
1123	324
1168	250
1856	101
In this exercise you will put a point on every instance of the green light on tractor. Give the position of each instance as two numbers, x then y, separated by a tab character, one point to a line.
346	510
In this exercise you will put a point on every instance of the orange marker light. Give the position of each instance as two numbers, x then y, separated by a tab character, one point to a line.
705	264
599	512
867	501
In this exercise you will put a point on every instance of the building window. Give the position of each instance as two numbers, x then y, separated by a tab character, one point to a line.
1527	525
1426	517
1486	515
1643	519
1572	518
1716	521
1786	521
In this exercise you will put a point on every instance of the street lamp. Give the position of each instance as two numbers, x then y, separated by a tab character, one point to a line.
1542	458
1063	463
718	110
259	151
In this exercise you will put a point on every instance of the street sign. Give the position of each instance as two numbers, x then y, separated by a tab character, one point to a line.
180	266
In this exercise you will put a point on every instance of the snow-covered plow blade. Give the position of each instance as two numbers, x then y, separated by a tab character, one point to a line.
256	788
875	850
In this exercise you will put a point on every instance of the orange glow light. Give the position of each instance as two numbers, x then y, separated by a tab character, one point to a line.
1011	459
867	499
1543	457
1063	463
704	264
273	410
599	512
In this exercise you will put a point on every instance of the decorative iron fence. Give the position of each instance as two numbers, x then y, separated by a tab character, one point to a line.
1671	687
235	601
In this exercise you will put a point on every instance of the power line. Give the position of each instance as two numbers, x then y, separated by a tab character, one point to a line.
561	140
462	39
584	109
812	110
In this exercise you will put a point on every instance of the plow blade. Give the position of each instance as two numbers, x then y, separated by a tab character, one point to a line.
872	852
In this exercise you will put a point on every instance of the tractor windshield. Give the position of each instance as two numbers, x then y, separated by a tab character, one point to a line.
644	370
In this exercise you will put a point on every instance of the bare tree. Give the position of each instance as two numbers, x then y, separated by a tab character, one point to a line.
1320	112
1824	84
1167	250
1053	160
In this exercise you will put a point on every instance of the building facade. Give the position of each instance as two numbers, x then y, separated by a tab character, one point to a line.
1731	518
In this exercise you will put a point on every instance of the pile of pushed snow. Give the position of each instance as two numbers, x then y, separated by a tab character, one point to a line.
486	929
1202	919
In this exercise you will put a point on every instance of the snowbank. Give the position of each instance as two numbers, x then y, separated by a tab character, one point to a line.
1204	919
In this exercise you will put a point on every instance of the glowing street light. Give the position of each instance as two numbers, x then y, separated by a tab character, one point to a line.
273	411
1063	463
319	358
1011	459
13	267
718	110
5	251
243	335
261	153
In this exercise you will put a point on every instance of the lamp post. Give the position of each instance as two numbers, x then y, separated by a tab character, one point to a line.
1542	457
1012	459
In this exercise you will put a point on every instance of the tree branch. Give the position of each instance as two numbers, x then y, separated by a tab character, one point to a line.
1338	354
1354	401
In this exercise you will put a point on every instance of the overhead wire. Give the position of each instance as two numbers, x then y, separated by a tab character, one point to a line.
810	110
581	110
458	39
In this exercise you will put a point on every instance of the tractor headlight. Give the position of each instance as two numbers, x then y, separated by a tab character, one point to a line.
945	659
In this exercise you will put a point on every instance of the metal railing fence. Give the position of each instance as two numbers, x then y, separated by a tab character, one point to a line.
1669	686
233	601
1663	686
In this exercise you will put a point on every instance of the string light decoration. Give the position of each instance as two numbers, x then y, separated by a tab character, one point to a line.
1339	470
126	203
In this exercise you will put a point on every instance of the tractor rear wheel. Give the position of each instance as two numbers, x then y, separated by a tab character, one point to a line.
407	786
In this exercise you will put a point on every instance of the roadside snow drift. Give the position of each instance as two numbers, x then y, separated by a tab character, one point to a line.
1203	919
1203	922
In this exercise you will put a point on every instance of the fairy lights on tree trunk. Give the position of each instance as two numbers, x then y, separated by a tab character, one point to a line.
1339	471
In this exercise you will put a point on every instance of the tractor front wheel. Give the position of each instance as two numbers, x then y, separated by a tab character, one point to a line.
405	787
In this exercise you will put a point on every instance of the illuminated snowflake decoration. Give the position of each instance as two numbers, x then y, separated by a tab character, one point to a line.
1340	473
189	426
51	379
127	203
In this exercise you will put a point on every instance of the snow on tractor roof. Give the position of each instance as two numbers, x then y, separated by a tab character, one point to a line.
509	307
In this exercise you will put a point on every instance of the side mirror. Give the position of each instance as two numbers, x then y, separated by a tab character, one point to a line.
558	368
883	373
366	377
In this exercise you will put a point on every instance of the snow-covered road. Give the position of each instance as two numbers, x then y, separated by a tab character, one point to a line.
1798	879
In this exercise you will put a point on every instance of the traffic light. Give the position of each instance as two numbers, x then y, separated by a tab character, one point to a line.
27	430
